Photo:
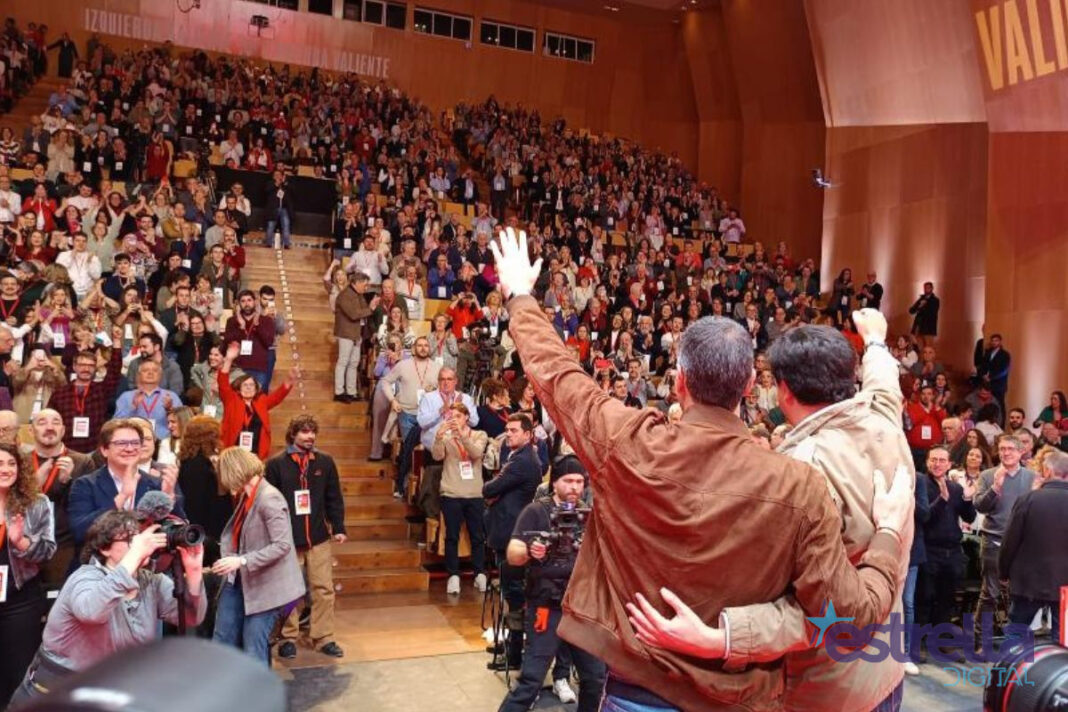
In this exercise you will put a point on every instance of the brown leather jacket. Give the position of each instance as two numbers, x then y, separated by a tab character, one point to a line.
351	310
700	508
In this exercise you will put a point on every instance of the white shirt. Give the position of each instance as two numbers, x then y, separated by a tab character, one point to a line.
14	206
83	268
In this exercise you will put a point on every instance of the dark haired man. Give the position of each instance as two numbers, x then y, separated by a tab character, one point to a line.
506	494
690	503
254	334
950	502
845	435
308	479
925	311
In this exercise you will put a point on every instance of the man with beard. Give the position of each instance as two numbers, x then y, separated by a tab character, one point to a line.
413	377
55	468
83	404
255	336
308	479
150	348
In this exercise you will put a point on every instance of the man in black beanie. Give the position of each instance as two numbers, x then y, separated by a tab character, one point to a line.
549	561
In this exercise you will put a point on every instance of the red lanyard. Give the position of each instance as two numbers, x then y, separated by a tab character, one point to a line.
441	343
3	534
8	313
79	404
411	287
52	473
152	407
196	350
242	513
461	449
502	414
249	415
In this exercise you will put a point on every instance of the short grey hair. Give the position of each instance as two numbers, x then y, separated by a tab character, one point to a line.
1057	464
716	355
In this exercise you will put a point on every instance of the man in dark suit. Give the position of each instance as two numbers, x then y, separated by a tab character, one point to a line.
278	208
1033	559
511	491
993	369
925	312
119	484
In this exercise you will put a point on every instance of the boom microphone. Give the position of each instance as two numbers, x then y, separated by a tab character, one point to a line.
155	505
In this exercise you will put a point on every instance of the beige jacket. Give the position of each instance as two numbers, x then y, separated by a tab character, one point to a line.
846	442
452	484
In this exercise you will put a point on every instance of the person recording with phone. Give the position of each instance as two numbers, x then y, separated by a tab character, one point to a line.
113	601
543	544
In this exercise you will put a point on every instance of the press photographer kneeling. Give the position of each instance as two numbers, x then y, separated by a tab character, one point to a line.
546	540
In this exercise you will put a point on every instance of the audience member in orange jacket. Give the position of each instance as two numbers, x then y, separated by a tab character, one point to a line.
246	420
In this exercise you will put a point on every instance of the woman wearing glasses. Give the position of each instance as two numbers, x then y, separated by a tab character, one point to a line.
113	601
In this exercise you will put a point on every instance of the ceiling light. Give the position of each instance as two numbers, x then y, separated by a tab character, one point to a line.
611	8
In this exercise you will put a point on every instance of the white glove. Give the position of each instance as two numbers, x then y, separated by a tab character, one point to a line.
517	276
871	325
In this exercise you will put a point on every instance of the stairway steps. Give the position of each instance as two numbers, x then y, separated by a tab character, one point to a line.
374	507
352	582
370	555
376	529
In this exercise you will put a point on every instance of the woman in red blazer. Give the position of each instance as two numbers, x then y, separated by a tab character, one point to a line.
246	420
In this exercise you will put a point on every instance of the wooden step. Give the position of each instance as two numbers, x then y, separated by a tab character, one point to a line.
370	555
350	582
366	487
376	529
374	507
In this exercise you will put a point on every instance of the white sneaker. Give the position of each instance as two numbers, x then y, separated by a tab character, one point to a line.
564	691
911	668
480	583
453	586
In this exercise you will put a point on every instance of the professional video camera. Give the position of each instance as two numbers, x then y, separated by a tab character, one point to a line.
1028	678
155	507
564	538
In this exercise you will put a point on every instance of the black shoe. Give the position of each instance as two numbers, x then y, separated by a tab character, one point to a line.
333	650
287	650
374	459
287	247
340	398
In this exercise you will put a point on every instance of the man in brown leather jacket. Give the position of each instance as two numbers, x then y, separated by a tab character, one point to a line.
696	503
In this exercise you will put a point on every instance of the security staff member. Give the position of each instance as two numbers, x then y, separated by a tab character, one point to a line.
548	574
309	481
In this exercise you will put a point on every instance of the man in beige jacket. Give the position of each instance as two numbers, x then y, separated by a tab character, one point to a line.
845	436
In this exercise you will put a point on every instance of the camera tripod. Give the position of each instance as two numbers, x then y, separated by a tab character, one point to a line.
493	607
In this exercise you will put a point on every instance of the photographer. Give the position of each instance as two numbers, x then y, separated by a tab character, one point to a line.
549	567
112	601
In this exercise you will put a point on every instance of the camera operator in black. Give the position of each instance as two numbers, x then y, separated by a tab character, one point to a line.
548	573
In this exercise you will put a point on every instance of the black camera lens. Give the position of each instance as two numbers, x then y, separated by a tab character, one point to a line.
1028	678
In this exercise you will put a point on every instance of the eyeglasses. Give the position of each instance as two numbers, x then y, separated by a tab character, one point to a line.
126	444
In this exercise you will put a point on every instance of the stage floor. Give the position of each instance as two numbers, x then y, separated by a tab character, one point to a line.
415	652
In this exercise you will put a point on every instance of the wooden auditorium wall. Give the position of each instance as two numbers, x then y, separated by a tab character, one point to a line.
1024	57
770	56
638	86
906	156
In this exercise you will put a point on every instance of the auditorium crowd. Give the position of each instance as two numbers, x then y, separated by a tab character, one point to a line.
133	344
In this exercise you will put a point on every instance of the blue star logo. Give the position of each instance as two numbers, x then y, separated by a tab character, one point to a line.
824	622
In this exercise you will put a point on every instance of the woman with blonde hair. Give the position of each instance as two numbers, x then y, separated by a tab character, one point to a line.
27	540
259	561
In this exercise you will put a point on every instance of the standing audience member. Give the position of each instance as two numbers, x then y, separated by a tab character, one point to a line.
461	449
997	492
925	311
259	561
1033	558
405	386
119	484
950	502
55	468
506	495
308	477
351	311
246	409
27	541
